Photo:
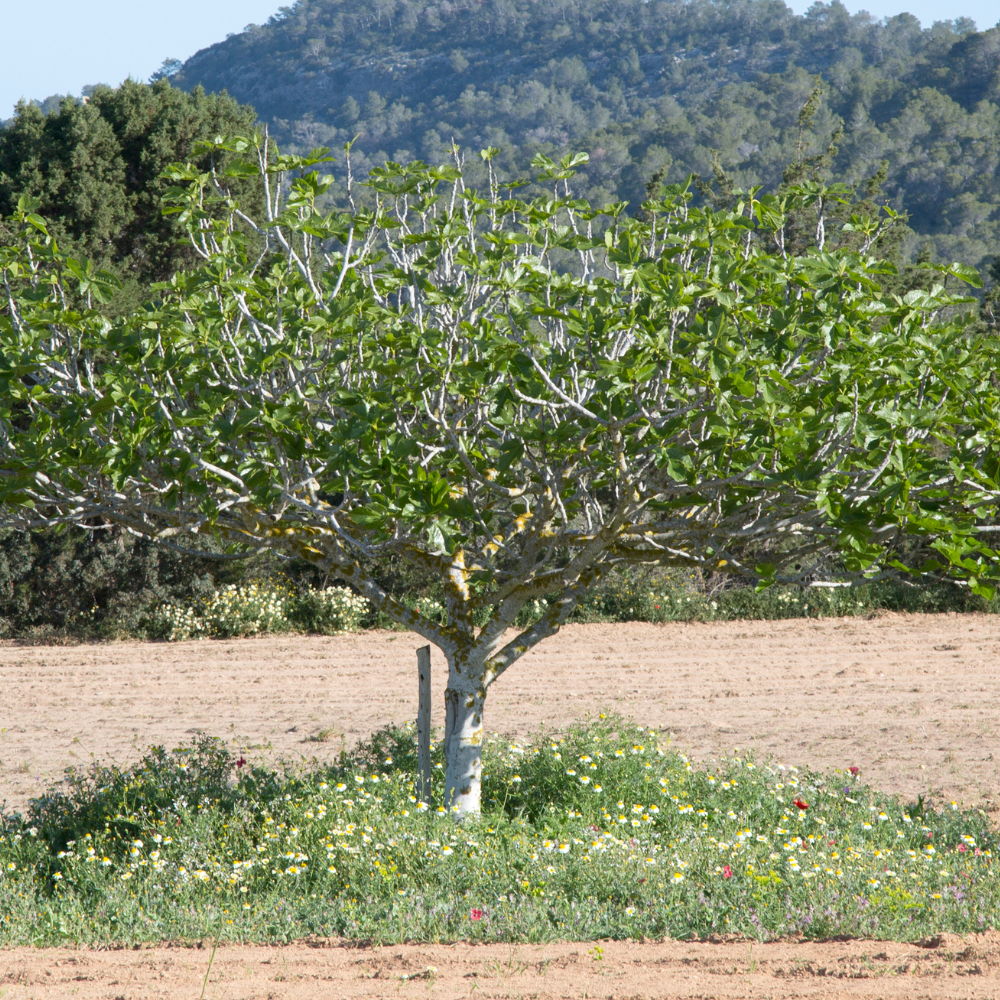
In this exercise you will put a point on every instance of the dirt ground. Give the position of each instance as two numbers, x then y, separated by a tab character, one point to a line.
910	699
946	967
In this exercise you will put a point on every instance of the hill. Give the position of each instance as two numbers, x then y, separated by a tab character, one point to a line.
645	87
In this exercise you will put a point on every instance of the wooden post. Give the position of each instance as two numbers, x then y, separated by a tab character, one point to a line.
424	724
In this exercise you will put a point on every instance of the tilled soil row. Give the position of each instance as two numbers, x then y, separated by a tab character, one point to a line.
943	968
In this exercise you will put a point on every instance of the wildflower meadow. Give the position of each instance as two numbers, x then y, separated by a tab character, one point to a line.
601	832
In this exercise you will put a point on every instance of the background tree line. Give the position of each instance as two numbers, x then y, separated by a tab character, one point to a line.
92	168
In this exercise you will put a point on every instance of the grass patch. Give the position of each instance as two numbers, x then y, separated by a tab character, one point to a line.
599	833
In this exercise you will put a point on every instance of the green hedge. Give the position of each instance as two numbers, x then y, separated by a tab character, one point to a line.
58	586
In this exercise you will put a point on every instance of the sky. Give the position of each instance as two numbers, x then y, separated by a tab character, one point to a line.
60	46
986	13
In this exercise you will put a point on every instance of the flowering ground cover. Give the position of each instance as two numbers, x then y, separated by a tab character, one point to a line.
596	833
260	608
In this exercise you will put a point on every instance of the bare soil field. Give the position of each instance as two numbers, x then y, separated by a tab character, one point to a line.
943	968
911	700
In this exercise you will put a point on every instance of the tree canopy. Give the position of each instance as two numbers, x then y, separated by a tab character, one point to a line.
511	394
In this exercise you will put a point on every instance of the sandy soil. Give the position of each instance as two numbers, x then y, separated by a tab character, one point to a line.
947	967
911	700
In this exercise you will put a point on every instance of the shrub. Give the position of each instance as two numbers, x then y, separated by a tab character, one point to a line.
232	612
62	584
258	608
663	597
327	612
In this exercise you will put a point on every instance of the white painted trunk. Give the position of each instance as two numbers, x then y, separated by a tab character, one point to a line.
463	739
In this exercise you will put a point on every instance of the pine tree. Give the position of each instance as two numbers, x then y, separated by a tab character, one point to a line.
93	169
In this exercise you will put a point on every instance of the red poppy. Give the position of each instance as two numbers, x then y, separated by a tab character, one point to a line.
241	762
854	770
961	847
727	872
801	804
475	914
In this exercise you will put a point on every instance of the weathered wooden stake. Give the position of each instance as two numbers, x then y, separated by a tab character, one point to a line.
424	724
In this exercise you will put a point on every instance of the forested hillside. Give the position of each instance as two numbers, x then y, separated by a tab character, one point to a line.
643	86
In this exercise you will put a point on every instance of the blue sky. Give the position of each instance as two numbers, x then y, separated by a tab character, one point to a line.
986	13
60	46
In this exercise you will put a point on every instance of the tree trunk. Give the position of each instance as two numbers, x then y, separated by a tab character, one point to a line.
463	740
